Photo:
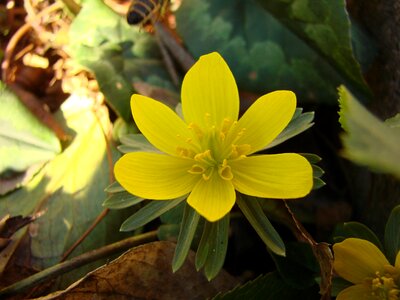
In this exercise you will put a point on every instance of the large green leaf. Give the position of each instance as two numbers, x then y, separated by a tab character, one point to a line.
69	191
368	141
262	53
24	140
325	26
118	54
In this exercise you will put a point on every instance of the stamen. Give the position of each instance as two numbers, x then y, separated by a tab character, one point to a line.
184	152
226	125
239	151
384	287
208	173
205	158
225	171
196	130
196	169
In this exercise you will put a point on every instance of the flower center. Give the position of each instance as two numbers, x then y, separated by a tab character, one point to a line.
385	287
213	147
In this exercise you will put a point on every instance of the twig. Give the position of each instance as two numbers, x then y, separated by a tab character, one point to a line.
167	60
176	49
321	252
79	261
98	219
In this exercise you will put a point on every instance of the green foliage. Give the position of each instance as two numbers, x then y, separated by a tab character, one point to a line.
269	287
355	230
114	187
392	234
148	213
318	172
187	231
255	215
299	123
116	53
368	141
213	246
135	143
325	27
271	57
393	122
121	200
24	140
68	191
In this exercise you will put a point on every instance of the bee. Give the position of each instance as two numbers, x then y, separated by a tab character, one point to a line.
142	11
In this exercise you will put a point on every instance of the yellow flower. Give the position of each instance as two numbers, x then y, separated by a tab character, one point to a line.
362	263
206	154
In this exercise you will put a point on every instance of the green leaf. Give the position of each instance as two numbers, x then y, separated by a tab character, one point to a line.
186	234
368	141
392	234
24	140
255	215
213	246
204	246
121	200
269	58
114	187
355	230
325	26
312	158
136	143
118	54
68	191
299	123
269	287
148	213
318	183
393	122
219	246
317	171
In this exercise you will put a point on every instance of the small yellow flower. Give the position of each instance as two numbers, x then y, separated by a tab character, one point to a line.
363	264
206	154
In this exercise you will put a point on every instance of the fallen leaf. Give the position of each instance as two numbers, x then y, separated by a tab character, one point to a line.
145	272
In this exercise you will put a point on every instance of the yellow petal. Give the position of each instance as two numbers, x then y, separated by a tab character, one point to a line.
212	198
356	292
155	176
160	124
209	92
266	118
283	176
357	259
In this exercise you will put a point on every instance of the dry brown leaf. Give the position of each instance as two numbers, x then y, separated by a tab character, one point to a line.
145	272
